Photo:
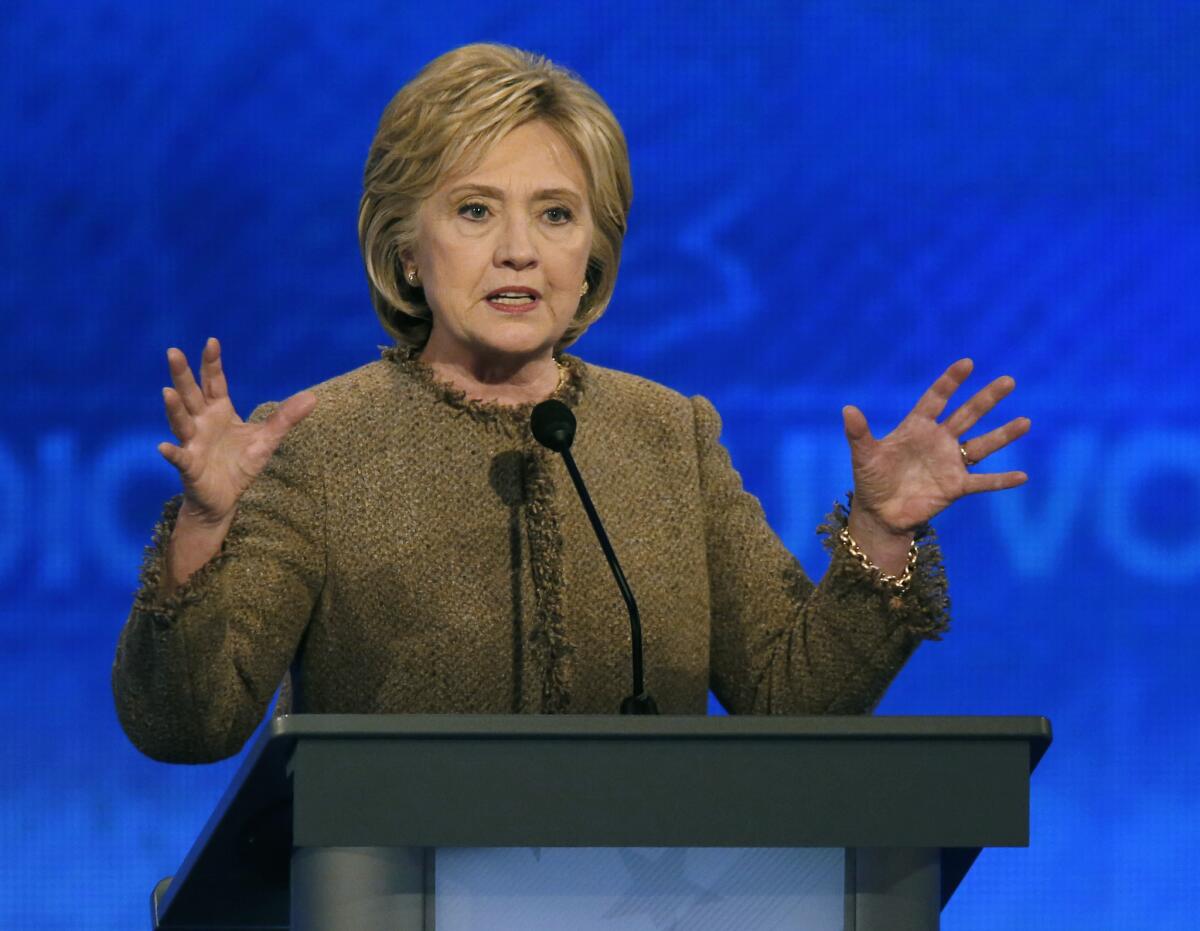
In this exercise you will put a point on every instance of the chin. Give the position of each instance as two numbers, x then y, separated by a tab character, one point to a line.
518	339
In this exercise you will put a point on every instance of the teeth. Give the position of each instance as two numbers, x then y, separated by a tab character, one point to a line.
513	298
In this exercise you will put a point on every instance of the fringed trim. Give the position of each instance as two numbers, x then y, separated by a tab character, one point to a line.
924	607
510	419
548	637
550	645
149	598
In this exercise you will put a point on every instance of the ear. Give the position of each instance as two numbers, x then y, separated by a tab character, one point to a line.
408	264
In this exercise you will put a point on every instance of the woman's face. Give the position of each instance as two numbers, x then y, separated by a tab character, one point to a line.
502	250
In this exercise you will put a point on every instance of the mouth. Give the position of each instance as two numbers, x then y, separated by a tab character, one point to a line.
513	300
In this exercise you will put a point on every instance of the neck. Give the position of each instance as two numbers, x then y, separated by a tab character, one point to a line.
498	379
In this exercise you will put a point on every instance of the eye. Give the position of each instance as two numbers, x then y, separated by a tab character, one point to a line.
558	215
473	211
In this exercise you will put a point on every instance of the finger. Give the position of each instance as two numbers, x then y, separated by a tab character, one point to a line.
184	381
179	458
178	418
854	422
993	481
981	402
289	413
933	401
212	373
981	447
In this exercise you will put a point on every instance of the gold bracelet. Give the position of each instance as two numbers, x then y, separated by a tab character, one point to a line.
898	582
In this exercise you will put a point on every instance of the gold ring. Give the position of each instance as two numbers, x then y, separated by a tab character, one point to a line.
967	460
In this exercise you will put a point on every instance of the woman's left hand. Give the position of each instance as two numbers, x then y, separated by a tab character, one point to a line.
917	470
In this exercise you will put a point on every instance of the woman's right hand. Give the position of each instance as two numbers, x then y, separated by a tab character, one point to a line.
219	454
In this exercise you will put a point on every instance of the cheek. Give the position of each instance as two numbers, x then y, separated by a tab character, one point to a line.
573	257
458	265
585	248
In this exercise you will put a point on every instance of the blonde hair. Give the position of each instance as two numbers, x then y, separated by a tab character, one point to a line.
445	120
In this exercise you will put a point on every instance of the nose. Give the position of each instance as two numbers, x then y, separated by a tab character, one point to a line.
515	248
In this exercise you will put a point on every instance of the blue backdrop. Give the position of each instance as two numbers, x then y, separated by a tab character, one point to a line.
833	201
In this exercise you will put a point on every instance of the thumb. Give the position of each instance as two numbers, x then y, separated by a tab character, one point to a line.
290	413
855	424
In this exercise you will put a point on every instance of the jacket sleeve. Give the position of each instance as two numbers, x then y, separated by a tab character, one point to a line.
779	643
195	672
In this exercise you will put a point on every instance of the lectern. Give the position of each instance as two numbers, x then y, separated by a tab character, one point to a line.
440	821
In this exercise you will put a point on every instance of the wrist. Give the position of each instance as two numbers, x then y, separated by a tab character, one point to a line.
865	524
885	548
195	539
889	570
201	520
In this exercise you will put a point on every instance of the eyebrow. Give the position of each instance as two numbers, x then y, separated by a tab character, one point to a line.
550	193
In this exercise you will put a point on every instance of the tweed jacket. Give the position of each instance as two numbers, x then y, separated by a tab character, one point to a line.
408	550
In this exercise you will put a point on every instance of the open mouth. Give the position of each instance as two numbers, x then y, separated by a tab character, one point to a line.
514	298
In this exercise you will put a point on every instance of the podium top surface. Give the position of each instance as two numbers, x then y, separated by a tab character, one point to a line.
1035	730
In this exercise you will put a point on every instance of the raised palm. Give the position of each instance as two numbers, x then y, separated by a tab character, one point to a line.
219	454
917	470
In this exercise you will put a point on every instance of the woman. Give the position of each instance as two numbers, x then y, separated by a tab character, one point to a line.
397	538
